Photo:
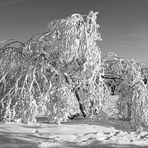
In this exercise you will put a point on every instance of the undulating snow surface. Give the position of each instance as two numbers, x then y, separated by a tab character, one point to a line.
79	132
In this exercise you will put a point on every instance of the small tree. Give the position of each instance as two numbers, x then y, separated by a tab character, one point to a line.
128	78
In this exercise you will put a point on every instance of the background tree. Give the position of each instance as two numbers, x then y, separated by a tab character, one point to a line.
129	78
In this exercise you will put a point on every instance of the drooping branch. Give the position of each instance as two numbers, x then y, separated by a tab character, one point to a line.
113	77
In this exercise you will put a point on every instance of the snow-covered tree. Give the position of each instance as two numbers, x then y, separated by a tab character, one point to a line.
55	73
130	81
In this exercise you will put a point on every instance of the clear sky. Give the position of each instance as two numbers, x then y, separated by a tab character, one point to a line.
123	23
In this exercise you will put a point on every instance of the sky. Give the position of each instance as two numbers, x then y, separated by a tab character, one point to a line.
123	23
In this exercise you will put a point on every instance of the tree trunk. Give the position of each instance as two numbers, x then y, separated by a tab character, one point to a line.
81	106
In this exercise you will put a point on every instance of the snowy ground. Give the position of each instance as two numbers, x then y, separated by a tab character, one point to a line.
79	132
